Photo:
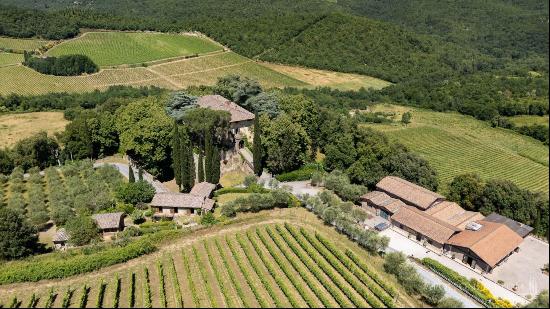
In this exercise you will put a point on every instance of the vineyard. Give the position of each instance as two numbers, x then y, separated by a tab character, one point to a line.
116	48
267	265
54	195
10	59
21	44
456	144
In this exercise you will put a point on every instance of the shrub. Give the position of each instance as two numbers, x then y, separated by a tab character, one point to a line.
82	230
136	192
208	219
137	216
304	173
449	302
433	294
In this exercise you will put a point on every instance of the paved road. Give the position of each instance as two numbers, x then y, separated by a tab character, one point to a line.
124	170
399	242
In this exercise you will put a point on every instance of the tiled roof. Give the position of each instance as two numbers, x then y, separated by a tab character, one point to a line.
491	243
203	189
453	214
217	102
408	192
208	204
521	229
424	224
382	200
176	200
108	220
60	236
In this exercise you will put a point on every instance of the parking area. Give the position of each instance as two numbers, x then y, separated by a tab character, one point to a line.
523	269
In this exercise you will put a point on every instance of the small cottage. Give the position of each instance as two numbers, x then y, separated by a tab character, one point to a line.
110	222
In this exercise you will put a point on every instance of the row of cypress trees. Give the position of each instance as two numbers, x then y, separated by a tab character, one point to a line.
185	172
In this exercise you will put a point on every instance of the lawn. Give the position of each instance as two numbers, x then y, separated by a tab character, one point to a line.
455	144
22	44
253	262
10	59
322	78
232	178
15	127
116	48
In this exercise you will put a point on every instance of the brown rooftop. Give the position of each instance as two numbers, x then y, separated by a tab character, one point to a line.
424	224
453	214
382	200
176	200
408	192
491	243
108	220
217	102
203	189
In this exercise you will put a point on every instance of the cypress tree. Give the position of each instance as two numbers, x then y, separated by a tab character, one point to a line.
131	177
257	146
192	170
176	154
140	174
201	167
208	156
184	162
216	166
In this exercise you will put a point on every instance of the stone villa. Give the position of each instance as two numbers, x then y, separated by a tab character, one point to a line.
479	241
170	204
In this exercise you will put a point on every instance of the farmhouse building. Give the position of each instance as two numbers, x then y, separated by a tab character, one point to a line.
241	119
171	204
110	222
60	239
481	242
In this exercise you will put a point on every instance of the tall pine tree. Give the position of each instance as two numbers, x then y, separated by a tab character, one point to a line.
257	147
131	177
200	177
208	150
176	154
185	148
140	174
215	166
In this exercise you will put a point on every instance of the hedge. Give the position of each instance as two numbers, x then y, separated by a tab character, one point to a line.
59	268
251	189
474	288
303	173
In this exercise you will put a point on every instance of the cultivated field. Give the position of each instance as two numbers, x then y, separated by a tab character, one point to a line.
10	59
15	127
456	144
116	48
260	262
527	120
337	80
162	60
22	44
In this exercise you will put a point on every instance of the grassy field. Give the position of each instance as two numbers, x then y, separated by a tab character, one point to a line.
256	262
116	48
10	59
455	144
527	120
15	127
337	80
22	44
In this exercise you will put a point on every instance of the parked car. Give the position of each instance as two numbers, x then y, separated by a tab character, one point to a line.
381	226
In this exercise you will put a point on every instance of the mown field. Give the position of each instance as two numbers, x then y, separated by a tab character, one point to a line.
456	144
116	48
527	120
15	127
21	44
160	61
262	264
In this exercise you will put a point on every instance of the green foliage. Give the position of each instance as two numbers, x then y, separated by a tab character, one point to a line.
66	302
176	284
162	291
117	290
147	301
132	291
67	65
100	294
449	302
434	294
17	238
263	103
81	230
145	130
200	177
135	192
541	301
238	89
84	296
285	143
131	176
38	150
216	165
208	151
466	190
303	173
179	103
406	118
69	265
257	150
208	219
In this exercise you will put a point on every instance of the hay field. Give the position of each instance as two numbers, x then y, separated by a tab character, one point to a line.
22	44
116	48
336	80
7	59
15	127
256	263
456	144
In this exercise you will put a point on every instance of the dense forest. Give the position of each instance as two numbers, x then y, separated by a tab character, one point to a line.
67	65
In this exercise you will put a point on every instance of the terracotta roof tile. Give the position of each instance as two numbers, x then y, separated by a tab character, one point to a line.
217	102
491	243
453	214
408	192
382	200
425	224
